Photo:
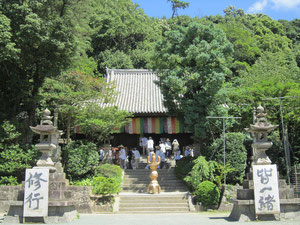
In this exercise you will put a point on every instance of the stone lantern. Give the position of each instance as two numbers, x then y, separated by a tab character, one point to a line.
260	131
46	130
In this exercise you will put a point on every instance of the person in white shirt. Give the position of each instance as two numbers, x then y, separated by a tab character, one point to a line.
122	157
144	145
150	145
162	147
175	144
136	159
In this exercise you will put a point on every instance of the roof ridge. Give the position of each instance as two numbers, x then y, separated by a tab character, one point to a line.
129	70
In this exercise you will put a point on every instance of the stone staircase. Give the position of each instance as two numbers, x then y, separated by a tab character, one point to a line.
137	181
134	198
148	203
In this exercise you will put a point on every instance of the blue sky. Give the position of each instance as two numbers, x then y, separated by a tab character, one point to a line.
276	9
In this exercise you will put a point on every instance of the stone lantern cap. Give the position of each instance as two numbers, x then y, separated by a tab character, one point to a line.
44	129
46	126
261	125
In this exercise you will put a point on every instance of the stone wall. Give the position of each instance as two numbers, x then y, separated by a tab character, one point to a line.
228	194
80	195
8	195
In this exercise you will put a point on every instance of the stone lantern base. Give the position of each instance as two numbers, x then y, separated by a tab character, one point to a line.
244	208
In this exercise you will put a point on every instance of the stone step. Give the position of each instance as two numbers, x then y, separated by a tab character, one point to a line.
146	177
151	201
144	190
161	182
151	209
162	185
147	173
141	170
153	204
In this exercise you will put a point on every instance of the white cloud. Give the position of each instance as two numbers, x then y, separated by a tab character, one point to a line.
259	6
287	4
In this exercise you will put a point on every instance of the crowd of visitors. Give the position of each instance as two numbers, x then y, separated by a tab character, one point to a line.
129	158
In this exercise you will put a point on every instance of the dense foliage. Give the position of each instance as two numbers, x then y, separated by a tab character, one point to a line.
106	186
202	170
109	171
80	159
14	158
207	193
37	43
235	155
192	62
107	180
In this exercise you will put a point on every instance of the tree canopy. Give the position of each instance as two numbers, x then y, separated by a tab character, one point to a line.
192	63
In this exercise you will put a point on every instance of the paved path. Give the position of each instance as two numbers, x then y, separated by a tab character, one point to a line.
167	219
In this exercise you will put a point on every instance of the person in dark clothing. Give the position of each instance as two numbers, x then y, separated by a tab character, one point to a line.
129	157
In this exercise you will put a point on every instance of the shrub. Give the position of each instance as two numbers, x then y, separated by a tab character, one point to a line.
183	167
81	158
83	182
14	158
8	180
109	171
201	171
236	155
105	186
207	193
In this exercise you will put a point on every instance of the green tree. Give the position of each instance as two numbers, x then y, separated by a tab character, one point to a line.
14	158
98	123
68	92
202	171
80	159
192	63
176	4
123	36
236	155
38	43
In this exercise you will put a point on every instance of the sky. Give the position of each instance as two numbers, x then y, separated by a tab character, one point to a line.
276	9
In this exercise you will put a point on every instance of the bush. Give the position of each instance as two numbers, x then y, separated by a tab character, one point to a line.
8	180
109	171
14	158
236	155
81	158
106	186
207	193
83	182
201	171
183	167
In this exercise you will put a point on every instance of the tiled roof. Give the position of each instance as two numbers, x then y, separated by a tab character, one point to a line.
137	92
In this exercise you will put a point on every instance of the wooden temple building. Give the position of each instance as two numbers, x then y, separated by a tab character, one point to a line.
138	94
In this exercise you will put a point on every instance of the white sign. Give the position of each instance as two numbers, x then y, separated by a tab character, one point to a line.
36	193
266	192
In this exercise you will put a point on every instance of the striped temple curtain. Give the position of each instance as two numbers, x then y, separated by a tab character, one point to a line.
150	125
154	125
